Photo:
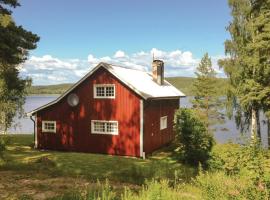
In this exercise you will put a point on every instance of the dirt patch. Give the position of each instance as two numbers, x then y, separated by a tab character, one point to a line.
37	186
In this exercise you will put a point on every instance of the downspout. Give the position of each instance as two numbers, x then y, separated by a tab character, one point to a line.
31	117
142	153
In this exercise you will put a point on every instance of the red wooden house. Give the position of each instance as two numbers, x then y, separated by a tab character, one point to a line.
111	110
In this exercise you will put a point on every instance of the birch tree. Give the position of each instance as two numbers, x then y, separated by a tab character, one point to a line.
247	65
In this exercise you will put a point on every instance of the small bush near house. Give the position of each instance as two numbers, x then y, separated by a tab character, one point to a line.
192	134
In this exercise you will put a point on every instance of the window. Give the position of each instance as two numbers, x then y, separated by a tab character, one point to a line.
49	126
104	91
163	122
104	127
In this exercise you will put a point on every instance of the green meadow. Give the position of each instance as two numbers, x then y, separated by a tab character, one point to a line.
27	173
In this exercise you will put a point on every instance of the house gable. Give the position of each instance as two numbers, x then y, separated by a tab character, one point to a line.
73	124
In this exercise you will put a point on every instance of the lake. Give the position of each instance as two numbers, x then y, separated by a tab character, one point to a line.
25	125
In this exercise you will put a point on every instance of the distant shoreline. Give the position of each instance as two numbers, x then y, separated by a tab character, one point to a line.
182	83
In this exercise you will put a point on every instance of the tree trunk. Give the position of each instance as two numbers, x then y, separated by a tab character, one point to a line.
258	125
253	124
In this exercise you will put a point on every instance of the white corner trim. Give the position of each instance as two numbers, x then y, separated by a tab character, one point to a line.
36	134
141	129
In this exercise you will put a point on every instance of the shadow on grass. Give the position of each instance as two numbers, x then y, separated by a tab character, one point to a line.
163	164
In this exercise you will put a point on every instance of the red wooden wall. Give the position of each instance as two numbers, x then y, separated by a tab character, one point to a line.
153	137
74	124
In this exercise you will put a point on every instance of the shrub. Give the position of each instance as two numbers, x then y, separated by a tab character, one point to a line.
154	190
102	191
3	144
248	164
192	134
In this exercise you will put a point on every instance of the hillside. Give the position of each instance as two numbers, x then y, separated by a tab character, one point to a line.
185	84
182	83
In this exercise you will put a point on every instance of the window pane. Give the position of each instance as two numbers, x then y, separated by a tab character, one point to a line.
112	127
109	91
163	122
48	126
100	91
99	127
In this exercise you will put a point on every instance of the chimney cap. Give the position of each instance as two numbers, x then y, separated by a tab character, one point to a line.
157	60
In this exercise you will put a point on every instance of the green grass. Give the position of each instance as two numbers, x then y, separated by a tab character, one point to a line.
27	173
56	172
22	157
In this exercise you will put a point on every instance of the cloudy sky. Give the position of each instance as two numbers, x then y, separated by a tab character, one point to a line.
77	35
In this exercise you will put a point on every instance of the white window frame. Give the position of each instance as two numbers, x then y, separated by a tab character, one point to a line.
44	130
105	88
162	124
105	132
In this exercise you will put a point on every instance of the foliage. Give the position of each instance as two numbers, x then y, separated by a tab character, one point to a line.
151	190
193	136
2	147
235	172
15	43
218	185
102	191
207	101
4	141
247	64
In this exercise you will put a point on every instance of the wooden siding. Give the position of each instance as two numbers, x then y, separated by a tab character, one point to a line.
153	137
73	131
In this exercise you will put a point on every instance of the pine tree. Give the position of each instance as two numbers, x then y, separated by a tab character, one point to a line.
15	43
206	99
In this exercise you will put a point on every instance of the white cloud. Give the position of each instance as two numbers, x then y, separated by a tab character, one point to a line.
51	70
119	54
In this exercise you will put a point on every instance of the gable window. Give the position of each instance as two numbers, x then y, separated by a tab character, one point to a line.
163	122
49	126
104	127
104	91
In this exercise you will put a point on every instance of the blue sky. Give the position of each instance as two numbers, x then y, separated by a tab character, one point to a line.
75	35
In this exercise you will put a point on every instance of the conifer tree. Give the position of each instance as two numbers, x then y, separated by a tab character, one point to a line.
15	43
206	99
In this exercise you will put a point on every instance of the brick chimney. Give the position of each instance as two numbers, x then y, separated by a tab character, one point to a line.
158	71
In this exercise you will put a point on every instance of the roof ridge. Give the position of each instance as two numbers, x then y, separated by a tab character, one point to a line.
125	67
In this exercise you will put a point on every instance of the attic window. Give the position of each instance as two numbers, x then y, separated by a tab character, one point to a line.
163	122
104	127
49	126
104	91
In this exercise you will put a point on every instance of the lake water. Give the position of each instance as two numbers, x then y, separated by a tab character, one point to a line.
25	125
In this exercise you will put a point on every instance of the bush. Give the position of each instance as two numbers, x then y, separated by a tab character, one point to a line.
219	185
102	191
245	167
3	144
192	134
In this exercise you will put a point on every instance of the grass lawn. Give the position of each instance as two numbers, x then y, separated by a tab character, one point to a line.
43	174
